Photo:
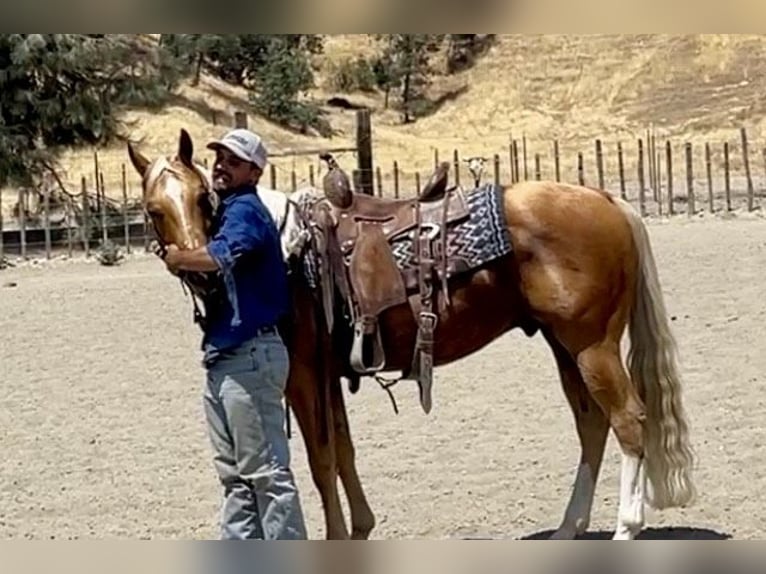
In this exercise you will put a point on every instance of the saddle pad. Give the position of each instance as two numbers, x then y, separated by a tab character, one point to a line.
477	240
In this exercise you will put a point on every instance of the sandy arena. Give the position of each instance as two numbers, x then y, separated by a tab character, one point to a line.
102	435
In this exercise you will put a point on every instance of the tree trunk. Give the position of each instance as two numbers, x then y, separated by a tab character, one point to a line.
198	71
406	96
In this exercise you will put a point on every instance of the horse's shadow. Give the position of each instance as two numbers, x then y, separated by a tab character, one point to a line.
669	533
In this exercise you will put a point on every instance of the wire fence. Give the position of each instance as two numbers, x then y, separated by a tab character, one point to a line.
661	177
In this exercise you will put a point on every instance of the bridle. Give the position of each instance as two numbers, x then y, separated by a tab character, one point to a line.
190	287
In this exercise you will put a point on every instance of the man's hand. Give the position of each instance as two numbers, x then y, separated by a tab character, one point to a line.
173	259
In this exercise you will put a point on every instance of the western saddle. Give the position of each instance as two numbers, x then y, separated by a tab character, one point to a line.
359	231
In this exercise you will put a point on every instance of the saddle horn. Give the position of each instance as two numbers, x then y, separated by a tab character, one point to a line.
336	184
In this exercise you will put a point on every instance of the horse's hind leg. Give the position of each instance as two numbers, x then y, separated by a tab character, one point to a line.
592	430
362	518
610	386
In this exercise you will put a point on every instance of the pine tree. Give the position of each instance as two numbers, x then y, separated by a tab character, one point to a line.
404	64
275	68
62	90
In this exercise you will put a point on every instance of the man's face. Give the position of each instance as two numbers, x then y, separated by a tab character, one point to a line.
229	171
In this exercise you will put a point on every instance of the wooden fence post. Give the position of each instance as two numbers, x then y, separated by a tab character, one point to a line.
379	177
47	220
658	177
85	217
746	160
641	182
690	208
669	171
709	170
125	215
96	171
364	151
513	171
621	170
104	225
456	165
600	164
240	119
23	221
726	175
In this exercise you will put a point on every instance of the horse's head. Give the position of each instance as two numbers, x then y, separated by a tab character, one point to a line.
177	195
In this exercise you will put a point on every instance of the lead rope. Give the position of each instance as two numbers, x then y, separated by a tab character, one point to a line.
199	318
161	251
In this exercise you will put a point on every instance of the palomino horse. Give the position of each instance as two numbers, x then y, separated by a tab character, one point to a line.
580	271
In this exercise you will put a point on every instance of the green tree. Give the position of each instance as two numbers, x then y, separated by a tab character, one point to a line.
405	65
284	75
62	90
275	68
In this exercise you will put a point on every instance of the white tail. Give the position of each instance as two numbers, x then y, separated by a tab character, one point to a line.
652	362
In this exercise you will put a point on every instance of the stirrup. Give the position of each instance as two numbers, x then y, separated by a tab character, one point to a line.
357	348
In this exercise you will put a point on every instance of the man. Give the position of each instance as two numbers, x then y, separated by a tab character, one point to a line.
245	358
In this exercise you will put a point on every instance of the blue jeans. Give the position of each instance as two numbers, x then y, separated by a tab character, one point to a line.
246	421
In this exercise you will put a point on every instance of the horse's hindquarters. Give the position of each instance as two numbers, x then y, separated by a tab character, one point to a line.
577	259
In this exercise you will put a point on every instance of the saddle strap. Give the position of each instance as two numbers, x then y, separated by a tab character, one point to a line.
443	258
422	361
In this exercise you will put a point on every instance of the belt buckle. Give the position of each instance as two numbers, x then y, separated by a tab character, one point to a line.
428	320
267	330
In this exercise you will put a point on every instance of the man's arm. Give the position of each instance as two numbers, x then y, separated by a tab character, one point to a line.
241	232
194	260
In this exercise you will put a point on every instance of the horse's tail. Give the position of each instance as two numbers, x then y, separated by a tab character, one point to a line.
653	367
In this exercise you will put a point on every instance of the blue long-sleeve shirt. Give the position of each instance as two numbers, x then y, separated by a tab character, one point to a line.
247	249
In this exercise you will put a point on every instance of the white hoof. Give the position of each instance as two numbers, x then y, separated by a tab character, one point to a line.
626	534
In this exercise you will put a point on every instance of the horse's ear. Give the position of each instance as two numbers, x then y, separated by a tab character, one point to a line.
139	161
185	148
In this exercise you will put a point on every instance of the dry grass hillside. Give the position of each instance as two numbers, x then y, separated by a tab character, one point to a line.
574	88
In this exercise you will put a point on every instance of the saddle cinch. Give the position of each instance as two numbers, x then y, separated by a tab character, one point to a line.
359	252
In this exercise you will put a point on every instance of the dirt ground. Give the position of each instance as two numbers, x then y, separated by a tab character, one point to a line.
102	435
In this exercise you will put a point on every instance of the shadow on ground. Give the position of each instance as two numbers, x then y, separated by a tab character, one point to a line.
680	533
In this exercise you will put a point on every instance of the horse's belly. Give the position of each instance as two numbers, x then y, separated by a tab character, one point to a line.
483	306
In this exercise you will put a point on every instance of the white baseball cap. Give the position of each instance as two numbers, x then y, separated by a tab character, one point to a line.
245	145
